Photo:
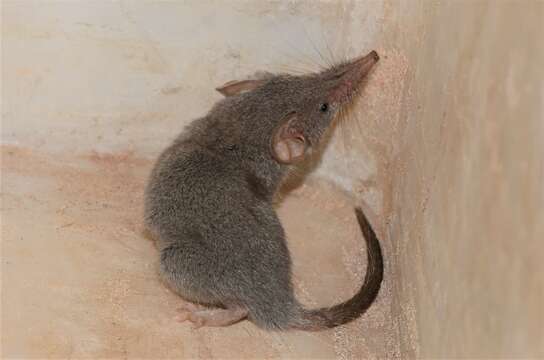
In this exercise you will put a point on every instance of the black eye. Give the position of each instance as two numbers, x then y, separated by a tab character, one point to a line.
324	107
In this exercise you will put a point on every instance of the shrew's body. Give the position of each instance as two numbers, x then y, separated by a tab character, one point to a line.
209	201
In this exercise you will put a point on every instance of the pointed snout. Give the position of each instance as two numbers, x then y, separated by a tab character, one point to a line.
351	76
364	64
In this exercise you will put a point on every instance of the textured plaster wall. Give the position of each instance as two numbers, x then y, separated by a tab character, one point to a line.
465	174
444	150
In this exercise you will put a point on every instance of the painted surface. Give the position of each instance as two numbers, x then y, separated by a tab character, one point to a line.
466	173
444	151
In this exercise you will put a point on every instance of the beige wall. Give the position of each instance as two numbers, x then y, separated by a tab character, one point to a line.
445	149
465	172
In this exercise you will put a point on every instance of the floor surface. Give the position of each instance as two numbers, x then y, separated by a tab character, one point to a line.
79	276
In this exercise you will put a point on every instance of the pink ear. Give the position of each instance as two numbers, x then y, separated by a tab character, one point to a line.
288	142
235	87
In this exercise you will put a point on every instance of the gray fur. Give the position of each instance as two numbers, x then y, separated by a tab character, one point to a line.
209	199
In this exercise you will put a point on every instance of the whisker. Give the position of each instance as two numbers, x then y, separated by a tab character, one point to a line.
308	66
293	47
327	63
343	135
345	49
289	69
333	61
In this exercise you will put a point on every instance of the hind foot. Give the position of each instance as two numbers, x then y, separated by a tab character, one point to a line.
201	316
187	306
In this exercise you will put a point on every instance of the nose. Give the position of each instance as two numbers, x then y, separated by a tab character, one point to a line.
365	63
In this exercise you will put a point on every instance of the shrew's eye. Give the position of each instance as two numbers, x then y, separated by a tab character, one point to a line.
324	107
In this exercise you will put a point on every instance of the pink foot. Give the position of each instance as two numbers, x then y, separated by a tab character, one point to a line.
201	316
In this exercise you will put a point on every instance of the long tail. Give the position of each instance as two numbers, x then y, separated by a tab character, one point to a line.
351	309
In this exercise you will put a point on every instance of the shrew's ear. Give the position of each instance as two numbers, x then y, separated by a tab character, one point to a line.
236	87
288	142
